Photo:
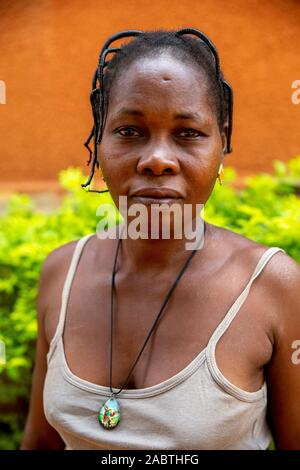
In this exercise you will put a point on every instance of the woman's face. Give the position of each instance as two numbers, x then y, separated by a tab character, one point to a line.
161	131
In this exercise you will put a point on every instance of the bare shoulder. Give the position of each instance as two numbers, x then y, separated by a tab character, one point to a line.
235	244
279	282
52	278
54	272
58	260
58	257
56	264
236	248
38	433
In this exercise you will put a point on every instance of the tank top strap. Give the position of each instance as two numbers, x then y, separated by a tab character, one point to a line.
66	291
234	309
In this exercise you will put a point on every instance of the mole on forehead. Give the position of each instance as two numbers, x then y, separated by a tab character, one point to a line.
161	75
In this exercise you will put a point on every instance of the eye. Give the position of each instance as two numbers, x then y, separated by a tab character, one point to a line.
189	133
128	132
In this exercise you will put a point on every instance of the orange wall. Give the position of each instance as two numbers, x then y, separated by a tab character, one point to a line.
49	49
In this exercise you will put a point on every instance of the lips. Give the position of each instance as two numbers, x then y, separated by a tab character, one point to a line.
158	193
149	196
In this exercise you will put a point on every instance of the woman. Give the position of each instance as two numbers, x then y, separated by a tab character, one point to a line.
216	369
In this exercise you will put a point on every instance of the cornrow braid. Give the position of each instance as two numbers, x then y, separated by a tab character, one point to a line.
188	45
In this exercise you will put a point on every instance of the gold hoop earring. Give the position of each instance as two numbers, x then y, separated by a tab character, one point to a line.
220	174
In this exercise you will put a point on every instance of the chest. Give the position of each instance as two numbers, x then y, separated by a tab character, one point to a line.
191	315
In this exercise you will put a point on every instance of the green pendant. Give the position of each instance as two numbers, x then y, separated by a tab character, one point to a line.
109	415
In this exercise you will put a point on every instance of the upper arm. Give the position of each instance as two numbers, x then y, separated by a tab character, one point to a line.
283	372
38	433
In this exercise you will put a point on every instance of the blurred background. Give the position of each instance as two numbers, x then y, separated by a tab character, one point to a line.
48	53
49	50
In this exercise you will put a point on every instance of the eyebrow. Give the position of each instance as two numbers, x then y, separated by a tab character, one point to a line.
195	116
127	111
191	116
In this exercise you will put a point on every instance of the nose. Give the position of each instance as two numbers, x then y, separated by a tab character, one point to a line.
158	159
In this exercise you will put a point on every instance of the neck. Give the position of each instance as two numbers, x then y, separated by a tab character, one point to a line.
157	254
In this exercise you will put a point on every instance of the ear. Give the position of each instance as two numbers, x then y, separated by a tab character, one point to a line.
224	137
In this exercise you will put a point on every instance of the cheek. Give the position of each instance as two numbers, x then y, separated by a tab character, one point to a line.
203	166
115	165
200	175
204	160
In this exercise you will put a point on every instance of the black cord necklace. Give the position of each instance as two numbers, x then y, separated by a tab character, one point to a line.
110	414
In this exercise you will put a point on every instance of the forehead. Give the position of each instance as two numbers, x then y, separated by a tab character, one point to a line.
161	82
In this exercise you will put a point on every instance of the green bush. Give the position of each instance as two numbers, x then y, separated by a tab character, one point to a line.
267	210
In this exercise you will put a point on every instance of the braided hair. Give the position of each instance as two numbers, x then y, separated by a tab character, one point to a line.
188	45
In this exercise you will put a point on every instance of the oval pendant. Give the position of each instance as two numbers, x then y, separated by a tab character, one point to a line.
109	415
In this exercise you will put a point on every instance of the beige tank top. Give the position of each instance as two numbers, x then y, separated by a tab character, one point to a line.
198	408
